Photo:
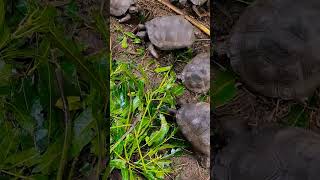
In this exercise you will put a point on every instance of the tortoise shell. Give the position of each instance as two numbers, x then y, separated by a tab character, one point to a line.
275	47
194	122
198	2
273	154
170	32
120	7
196	74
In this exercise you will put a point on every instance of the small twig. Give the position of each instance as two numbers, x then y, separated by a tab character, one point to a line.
15	175
193	21
67	122
126	134
203	39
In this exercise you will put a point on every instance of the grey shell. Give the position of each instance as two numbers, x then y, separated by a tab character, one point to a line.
198	2
275	47
194	122
273	154
120	7
196	74
170	32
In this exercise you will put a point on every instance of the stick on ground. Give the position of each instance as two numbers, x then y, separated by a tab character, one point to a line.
193	21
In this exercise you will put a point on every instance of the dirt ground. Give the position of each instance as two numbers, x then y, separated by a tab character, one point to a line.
188	165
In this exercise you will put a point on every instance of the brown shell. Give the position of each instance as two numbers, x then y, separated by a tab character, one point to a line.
196	74
170	32
277	154
194	122
275	47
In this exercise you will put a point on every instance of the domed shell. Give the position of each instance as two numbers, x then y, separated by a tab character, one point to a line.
194	122
199	2
170	32
120	7
196	74
275	47
277	154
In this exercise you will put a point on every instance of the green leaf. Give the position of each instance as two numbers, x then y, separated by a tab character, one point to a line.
124	42
297	116
178	90
130	34
72	51
23	158
5	35
162	69
2	13
5	73
49	161
158	136
73	101
125	174
82	132
224	88
118	163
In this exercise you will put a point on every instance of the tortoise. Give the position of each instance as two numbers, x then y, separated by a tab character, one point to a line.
195	5
277	153
167	33
196	74
275	48
194	121
121	7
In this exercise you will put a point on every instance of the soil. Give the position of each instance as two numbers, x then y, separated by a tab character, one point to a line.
149	10
187	167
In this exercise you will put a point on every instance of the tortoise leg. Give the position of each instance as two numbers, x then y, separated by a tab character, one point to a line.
196	10
125	19
152	50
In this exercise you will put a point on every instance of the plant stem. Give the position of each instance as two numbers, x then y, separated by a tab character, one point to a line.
67	135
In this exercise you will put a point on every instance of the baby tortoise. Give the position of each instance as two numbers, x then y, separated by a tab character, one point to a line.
121	7
273	153
194	122
196	74
275	48
167	33
195	5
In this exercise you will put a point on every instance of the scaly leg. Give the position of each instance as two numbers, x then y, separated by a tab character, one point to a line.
152	50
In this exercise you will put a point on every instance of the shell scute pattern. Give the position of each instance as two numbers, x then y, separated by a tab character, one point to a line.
196	74
275	48
170	32
120	7
194	122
